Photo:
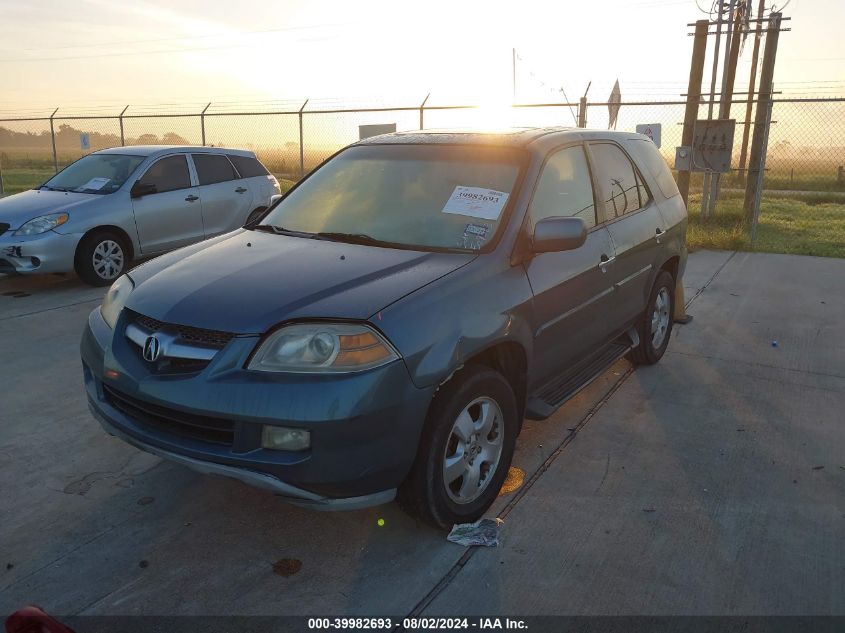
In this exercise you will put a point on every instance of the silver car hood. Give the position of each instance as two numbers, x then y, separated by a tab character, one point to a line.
20	208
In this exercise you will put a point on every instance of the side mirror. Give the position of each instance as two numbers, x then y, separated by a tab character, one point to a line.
140	189
558	234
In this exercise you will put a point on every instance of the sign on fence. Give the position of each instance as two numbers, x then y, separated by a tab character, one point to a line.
366	131
84	140
651	130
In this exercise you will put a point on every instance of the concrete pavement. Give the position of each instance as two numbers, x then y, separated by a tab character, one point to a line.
675	495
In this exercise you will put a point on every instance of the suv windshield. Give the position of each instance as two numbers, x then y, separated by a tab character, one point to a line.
95	173
426	197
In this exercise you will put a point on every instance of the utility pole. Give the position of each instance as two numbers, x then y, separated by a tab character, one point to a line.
746	129
706	184
696	74
758	140
728	78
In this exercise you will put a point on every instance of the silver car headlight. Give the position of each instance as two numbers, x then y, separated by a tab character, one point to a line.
322	347
115	299
42	224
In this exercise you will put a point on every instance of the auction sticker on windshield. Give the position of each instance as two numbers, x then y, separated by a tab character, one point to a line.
476	202
95	184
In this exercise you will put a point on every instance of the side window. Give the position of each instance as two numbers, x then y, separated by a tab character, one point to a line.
621	185
168	174
247	166
648	156
564	188
213	168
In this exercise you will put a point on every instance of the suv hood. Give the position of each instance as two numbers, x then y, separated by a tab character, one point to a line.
18	209
248	281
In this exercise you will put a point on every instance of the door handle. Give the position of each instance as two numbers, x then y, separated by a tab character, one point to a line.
605	262
191	198
240	190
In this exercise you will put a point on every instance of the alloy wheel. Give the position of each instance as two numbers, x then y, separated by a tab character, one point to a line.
473	450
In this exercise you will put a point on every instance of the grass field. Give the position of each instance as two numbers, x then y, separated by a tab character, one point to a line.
787	225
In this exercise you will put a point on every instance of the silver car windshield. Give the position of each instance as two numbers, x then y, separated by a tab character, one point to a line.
426	197
95	173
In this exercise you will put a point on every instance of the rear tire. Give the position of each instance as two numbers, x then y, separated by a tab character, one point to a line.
655	328
465	450
101	258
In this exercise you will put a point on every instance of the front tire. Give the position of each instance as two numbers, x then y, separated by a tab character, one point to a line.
101	258
656	324
465	449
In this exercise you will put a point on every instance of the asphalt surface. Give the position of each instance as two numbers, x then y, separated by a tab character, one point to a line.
711	483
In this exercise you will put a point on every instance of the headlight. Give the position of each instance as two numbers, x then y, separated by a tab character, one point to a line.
322	347
115	299
42	224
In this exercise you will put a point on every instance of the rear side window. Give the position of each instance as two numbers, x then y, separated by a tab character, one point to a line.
619	181
247	166
564	188
212	168
168	174
646	153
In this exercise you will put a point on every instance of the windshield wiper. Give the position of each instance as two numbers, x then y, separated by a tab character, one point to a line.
269	228
357	238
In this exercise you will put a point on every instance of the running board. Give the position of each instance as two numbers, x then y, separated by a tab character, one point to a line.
546	400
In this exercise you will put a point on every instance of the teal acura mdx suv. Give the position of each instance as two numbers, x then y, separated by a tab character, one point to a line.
384	328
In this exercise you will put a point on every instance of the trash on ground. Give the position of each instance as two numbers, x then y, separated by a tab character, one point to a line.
774	343
818	467
484	532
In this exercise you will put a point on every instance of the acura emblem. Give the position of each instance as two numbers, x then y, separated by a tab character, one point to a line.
152	348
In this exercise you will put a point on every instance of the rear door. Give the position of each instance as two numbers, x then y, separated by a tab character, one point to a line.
172	216
635	225
261	184
572	293
226	199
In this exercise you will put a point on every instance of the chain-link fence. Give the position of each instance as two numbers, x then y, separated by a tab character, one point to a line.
805	160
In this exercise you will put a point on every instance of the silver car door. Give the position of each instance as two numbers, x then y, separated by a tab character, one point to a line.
169	213
226	198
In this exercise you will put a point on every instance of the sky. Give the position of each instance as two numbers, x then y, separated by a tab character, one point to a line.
99	55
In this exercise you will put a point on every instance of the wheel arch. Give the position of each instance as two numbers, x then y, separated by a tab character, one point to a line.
106	228
510	359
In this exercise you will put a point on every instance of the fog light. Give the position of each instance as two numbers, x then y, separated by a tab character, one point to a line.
281	438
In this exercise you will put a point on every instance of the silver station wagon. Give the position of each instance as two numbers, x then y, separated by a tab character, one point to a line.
126	203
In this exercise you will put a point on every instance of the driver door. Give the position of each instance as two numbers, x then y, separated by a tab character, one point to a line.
572	291
172	215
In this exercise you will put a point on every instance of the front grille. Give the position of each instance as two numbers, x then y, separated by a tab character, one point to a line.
201	336
3	227
155	417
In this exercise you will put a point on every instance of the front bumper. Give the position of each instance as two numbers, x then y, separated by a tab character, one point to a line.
364	427
49	252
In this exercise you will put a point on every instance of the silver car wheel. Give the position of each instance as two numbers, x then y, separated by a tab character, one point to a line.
473	450
660	318
108	259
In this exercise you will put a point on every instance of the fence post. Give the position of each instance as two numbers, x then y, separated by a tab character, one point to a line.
120	118
582	112
696	73
301	146
53	137
2	191
422	106
202	122
757	157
